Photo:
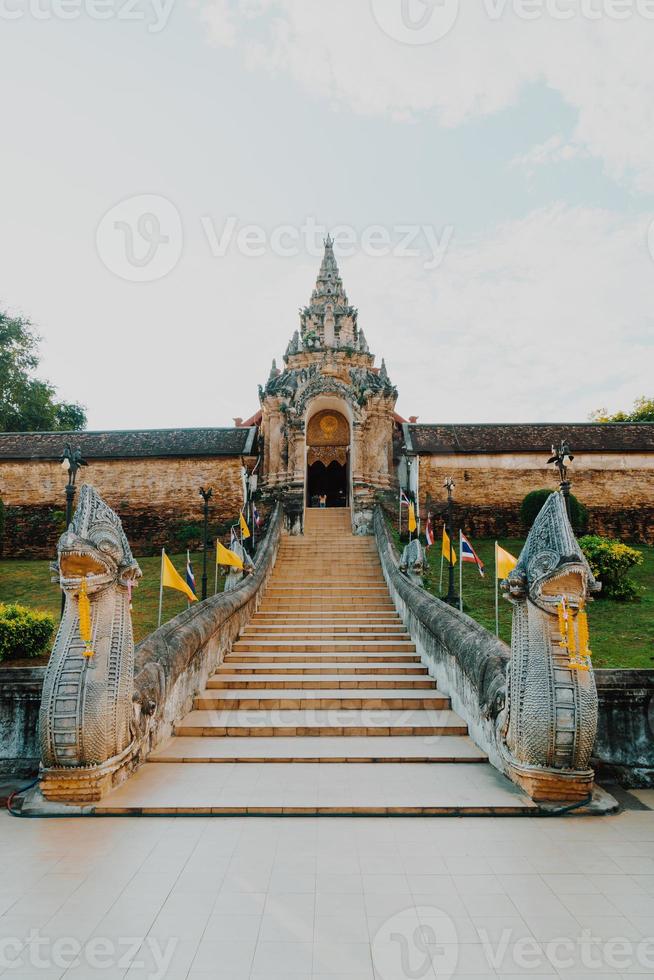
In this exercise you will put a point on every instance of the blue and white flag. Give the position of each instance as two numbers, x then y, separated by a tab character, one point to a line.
469	554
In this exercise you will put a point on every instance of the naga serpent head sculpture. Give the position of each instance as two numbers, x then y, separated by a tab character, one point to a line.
94	549
86	717
550	720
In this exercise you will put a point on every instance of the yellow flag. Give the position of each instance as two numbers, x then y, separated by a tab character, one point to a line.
504	562
245	530
446	548
412	518
226	557
171	579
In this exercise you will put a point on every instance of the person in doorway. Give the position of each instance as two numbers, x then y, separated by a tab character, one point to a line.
322	500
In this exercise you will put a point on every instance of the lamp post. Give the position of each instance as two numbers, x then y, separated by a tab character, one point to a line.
560	454
451	598
71	461
206	496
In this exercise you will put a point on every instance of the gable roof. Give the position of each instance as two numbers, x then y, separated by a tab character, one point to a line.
134	444
584	437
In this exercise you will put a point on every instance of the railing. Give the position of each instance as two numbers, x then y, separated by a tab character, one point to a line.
468	662
174	663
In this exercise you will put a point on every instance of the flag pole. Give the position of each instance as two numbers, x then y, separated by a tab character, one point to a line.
161	586
460	575
440	584
188	562
399	520
497	598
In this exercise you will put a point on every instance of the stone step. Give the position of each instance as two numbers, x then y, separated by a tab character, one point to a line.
297	666
273	682
308	788
324	630
340	615
327	657
318	646
310	578
325	634
339	603
363	699
280	621
340	549
305	588
344	748
318	722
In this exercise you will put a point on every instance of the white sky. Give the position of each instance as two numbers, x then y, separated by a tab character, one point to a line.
525	147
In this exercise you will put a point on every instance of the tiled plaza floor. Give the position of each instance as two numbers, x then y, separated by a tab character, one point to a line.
236	898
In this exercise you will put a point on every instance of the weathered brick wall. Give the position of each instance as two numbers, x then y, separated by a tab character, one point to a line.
153	497
618	491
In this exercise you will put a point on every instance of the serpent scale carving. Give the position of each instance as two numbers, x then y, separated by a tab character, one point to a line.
86	716
550	720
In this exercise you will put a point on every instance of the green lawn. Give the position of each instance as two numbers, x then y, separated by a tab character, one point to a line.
621	633
28	582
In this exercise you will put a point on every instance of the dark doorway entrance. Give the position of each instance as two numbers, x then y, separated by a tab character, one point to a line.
329	480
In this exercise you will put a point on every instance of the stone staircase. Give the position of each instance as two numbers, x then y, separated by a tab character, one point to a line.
321	697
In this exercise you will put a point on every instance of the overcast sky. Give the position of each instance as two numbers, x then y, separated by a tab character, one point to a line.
169	168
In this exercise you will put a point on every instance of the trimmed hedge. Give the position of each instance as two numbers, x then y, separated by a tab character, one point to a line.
533	504
24	632
611	562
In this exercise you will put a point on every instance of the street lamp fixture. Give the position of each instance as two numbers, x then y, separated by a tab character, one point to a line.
71	461
206	496
561	457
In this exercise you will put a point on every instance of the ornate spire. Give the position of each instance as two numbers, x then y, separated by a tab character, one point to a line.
329	320
329	285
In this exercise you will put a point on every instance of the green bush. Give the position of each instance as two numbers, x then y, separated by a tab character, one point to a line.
611	561
23	632
533	504
187	536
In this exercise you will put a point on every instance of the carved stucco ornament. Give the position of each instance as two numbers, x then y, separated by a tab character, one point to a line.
412	562
549	723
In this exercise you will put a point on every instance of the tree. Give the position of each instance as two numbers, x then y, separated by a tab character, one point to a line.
27	404
643	411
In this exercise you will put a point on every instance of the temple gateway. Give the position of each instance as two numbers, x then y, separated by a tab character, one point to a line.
327	428
326	658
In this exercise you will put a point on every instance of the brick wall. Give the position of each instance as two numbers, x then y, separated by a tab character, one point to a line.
618	491
153	497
